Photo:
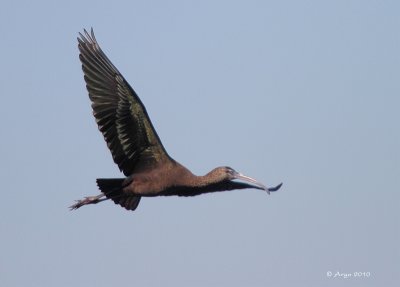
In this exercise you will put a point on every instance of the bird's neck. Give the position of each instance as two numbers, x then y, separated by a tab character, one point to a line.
202	180
205	180
186	183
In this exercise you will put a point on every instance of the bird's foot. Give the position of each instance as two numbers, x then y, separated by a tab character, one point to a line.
87	200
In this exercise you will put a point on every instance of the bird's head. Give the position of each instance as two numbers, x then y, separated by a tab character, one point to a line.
227	173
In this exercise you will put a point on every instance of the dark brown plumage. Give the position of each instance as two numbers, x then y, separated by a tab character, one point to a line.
135	145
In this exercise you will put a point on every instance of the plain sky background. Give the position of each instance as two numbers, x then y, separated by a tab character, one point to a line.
303	92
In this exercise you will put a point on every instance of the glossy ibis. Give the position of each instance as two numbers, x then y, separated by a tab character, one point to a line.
135	145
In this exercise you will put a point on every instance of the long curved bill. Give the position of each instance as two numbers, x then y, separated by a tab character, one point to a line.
257	183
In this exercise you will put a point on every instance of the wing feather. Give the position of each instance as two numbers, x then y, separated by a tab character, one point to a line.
119	113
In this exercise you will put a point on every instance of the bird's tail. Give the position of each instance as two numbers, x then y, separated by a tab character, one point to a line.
113	189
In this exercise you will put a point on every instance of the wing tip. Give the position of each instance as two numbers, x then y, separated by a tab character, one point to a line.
87	38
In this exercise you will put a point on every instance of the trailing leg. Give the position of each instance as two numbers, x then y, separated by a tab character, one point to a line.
88	200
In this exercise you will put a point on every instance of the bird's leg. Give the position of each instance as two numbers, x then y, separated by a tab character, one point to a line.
88	200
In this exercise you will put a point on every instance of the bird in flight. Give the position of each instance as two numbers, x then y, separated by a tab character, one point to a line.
134	144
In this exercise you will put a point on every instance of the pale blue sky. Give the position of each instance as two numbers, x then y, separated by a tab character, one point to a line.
304	92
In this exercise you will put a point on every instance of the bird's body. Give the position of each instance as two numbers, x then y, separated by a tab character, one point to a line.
135	145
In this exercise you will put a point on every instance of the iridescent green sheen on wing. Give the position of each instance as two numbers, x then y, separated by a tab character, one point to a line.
120	115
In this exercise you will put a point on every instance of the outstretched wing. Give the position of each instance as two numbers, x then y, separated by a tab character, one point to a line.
119	113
